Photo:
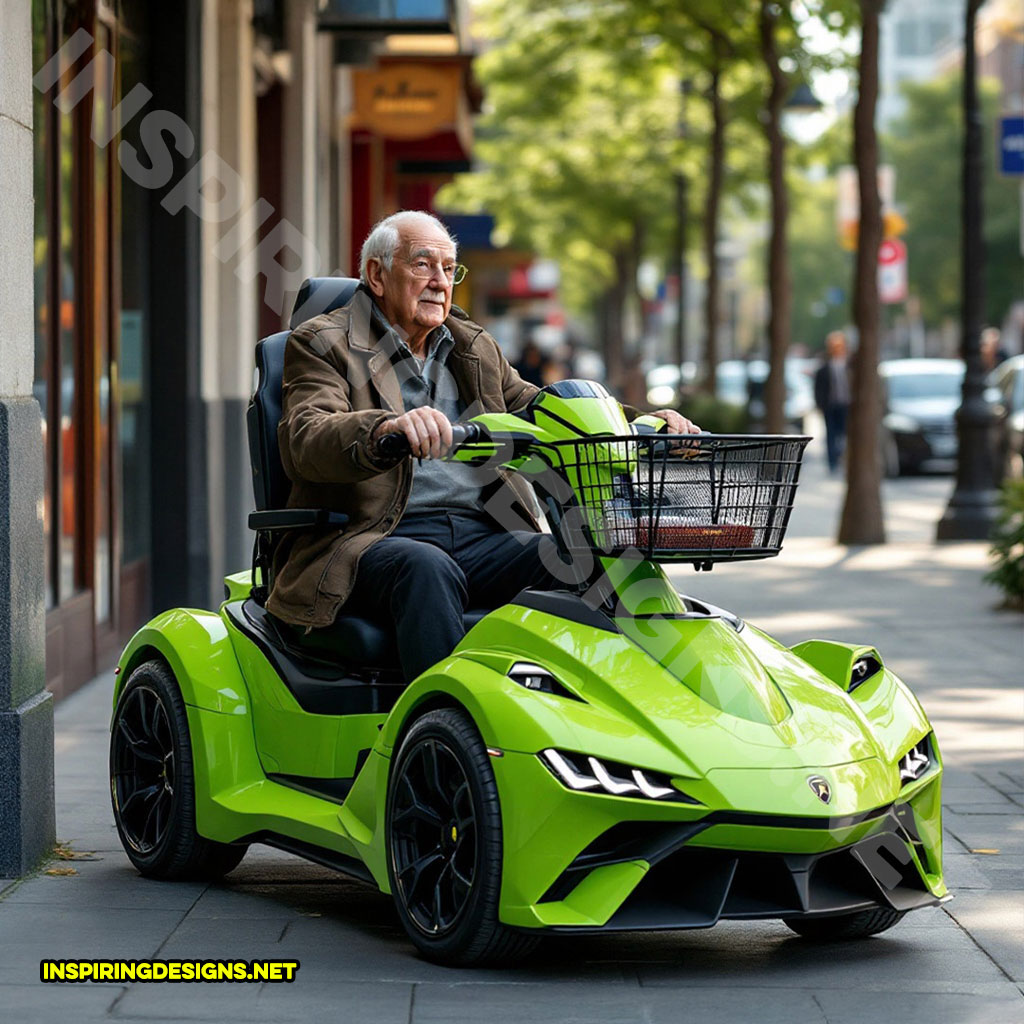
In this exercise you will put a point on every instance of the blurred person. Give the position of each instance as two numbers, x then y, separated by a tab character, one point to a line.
530	364
832	396
992	351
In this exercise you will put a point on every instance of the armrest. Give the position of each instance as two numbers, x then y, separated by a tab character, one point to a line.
295	518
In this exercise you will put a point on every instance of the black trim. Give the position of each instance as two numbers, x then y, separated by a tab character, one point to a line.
695	887
321	687
651	841
573	388
565	605
793	820
334	790
317	854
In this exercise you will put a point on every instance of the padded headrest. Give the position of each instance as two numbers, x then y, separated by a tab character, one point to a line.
321	295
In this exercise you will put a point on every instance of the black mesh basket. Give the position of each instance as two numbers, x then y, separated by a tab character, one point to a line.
698	498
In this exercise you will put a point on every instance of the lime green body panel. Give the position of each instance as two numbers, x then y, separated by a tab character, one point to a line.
736	721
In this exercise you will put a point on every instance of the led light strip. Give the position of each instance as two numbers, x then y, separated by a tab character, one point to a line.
640	785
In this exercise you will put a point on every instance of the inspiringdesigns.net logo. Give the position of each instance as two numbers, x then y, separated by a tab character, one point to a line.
120	971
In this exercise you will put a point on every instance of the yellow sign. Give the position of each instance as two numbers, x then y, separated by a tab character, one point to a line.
407	101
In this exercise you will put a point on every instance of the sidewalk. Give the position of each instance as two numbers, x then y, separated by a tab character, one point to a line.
923	606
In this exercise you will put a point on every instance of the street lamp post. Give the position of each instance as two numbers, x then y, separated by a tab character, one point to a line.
971	512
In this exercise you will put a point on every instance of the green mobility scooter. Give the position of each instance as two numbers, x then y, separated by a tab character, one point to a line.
608	756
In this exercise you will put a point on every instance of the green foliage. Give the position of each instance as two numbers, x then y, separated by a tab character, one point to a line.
714	415
926	148
1008	544
580	142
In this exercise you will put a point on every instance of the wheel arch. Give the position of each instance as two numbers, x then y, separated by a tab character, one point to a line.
196	647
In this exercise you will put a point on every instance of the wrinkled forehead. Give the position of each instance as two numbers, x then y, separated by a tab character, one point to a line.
433	244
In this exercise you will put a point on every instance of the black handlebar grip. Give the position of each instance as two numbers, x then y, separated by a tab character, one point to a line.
396	446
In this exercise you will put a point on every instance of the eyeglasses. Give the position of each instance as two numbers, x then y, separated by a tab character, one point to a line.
424	268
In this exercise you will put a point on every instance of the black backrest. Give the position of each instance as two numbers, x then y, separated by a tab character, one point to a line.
321	295
270	484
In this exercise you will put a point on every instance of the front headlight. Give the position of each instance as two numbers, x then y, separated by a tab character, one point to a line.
582	772
915	762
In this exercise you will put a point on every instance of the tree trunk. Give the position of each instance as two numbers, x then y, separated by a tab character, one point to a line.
716	176
778	258
862	521
614	314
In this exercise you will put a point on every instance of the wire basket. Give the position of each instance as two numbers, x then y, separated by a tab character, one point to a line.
695	498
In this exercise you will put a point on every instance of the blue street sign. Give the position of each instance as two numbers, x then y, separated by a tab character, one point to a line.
1011	145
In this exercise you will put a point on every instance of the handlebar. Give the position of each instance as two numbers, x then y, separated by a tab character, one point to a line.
396	446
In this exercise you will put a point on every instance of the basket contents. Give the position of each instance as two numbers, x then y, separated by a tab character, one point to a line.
676	532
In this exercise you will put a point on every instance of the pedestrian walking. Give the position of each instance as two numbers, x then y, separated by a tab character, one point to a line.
832	396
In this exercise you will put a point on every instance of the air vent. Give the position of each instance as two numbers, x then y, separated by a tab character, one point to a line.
862	670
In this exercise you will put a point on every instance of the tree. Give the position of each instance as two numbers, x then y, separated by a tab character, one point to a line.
924	148
862	521
778	254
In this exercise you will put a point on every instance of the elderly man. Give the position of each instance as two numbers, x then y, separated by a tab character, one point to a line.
399	358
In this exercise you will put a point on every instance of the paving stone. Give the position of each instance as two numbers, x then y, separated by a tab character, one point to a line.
105	884
29	933
995	920
24	1003
927	959
915	1007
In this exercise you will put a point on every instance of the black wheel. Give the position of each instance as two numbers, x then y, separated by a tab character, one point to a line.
152	786
444	845
845	927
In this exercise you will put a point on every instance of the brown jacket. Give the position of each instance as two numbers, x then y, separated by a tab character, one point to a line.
338	385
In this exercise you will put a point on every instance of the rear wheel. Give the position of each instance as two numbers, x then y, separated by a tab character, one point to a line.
845	927
444	844
152	785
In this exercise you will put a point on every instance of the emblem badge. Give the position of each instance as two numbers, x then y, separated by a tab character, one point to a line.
820	788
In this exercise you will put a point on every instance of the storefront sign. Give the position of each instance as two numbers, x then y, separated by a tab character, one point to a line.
407	101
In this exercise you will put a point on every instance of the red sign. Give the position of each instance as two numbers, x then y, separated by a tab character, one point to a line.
892	271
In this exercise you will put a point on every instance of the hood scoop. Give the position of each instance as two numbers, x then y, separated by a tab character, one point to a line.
711	659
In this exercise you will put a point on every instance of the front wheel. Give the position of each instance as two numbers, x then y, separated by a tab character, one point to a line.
444	844
152	784
845	927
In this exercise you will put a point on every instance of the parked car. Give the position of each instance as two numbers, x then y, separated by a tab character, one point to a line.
1006	393
921	397
742	383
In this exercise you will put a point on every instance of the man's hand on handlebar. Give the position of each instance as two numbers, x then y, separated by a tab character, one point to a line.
677	424
428	432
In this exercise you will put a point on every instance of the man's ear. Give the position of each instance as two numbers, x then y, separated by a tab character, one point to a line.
375	277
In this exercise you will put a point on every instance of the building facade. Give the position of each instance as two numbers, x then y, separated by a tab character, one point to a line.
192	164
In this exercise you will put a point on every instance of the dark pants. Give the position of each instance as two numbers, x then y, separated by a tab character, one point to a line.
835	433
432	568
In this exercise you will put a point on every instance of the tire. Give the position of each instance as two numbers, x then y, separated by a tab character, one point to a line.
845	927
152	783
444	844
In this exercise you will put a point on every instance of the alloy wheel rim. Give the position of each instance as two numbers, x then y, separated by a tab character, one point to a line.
143	775
433	837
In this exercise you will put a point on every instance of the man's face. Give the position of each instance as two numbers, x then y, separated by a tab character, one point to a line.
415	305
836	345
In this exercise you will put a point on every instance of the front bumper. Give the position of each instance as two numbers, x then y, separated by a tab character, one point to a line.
585	862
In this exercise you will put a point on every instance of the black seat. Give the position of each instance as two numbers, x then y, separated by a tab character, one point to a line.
352	642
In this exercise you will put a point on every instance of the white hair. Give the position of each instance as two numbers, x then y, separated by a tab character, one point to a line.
383	240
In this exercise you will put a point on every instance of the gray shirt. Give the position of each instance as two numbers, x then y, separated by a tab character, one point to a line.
436	485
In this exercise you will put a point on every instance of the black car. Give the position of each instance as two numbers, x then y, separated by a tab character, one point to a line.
919	426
